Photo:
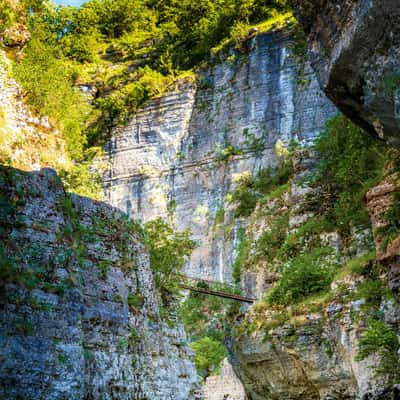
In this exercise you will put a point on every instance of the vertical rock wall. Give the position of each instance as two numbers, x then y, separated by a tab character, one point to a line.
178	157
79	317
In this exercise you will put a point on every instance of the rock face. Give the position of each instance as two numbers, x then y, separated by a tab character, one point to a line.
179	156
307	352
224	386
27	142
314	361
79	317
355	51
380	199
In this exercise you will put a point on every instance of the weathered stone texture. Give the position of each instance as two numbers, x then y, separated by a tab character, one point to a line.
224	386
312	354
355	51
169	160
66	329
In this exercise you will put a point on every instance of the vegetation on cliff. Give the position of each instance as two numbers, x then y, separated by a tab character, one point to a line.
311	262
124	53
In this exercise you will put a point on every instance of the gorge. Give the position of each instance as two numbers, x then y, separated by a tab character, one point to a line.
246	176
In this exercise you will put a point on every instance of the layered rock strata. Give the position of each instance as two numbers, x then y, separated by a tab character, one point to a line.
79	317
355	51
180	156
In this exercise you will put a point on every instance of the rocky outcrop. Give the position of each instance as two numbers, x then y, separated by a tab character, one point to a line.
180	156
314	360
309	350
79	317
27	141
355	51
224	386
380	200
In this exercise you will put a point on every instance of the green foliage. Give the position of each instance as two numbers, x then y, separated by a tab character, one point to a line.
268	180
242	249
220	215
168	252
392	218
209	355
135	301
227	152
373	291
383	341
82	179
307	236
24	328
305	275
47	84
350	163
6	15
271	240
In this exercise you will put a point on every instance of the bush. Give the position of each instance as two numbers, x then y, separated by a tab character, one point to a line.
209	355
48	88
351	162
270	241
267	181
380	339
305	275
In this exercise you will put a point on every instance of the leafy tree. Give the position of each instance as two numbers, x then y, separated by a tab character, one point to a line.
381	340
168	252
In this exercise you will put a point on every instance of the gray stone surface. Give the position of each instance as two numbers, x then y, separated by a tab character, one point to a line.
167	160
355	51
66	328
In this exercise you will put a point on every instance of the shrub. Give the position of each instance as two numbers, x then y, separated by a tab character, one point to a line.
47	86
209	355
351	162
249	191
270	241
380	339
305	275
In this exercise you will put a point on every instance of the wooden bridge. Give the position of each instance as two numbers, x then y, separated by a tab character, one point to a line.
210	292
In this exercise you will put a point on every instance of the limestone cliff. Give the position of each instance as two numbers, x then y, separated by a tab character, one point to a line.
308	350
355	47
79	317
180	155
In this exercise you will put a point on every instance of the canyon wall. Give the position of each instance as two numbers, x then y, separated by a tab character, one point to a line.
308	350
79	316
180	156
355	51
